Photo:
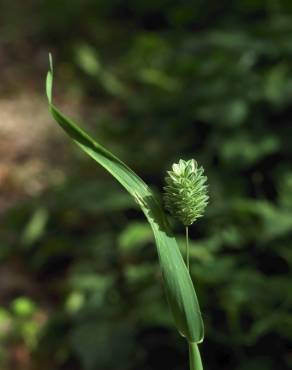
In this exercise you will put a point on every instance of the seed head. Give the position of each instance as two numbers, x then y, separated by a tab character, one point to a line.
185	194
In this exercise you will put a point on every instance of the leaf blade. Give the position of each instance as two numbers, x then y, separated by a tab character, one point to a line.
178	285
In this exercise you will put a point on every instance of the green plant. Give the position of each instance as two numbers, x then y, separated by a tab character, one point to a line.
178	285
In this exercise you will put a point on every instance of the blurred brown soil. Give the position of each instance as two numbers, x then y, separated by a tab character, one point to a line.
32	150
25	134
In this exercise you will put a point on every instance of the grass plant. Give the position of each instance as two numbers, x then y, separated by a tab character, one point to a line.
187	204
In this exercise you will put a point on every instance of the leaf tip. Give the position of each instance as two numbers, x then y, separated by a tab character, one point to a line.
49	79
51	62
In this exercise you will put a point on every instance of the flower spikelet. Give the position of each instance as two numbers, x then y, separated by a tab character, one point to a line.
185	194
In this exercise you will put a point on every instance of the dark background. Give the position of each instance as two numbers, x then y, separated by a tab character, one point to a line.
153	81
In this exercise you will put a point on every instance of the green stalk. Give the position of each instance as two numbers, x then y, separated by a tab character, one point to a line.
188	248
194	353
195	357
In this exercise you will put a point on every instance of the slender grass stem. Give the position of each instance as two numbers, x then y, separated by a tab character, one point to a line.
194	353
187	248
195	357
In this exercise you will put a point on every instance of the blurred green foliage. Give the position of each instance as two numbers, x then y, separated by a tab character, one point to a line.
165	80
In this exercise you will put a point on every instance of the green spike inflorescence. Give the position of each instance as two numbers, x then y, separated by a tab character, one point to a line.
185	194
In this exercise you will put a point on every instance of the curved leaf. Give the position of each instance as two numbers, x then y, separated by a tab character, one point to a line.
178	284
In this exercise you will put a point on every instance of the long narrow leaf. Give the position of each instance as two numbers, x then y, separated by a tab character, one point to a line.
178	284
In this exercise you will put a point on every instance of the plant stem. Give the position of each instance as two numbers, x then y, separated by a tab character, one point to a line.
194	353
187	248
195	357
